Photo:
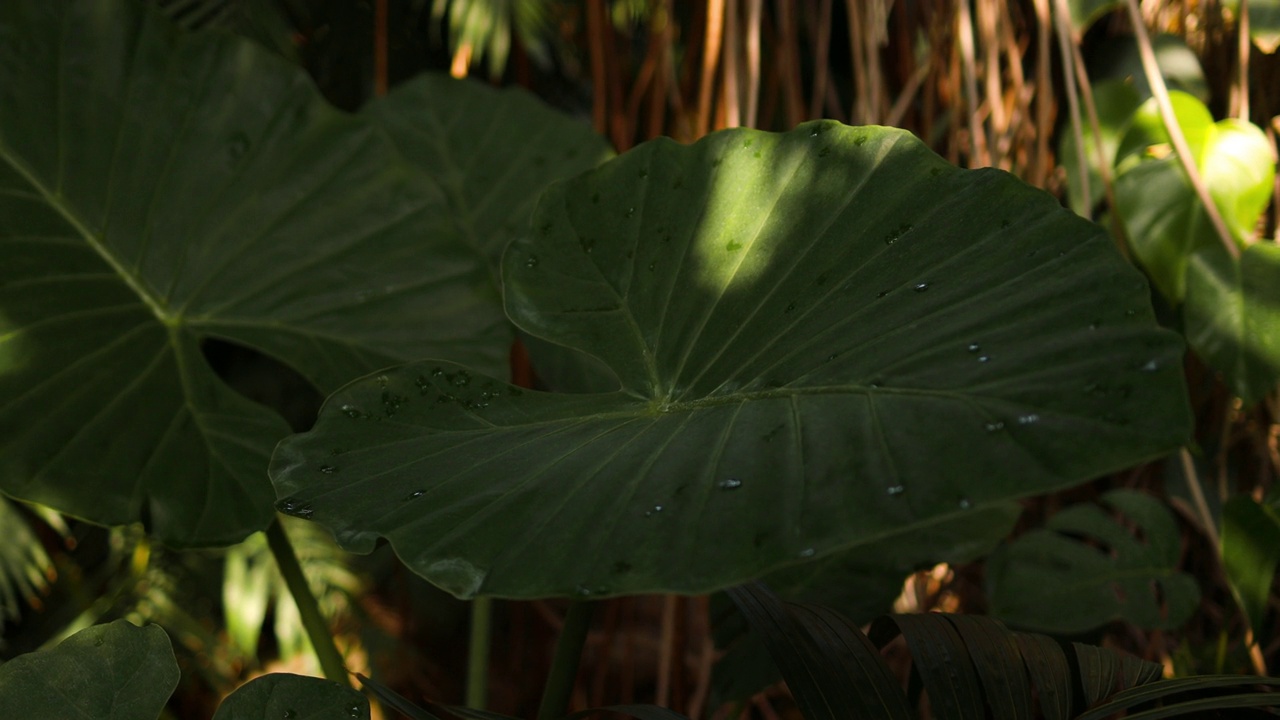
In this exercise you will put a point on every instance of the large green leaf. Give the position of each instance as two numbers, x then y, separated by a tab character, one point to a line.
106	672
293	697
492	151
158	189
1085	568
823	337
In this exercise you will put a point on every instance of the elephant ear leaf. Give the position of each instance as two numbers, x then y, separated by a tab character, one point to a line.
160	189
821	337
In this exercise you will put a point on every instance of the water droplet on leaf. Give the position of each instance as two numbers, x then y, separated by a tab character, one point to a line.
729	484
921	287
895	490
291	506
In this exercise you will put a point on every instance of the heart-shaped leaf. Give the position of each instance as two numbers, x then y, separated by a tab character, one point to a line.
158	189
296	697
823	337
105	672
1052	580
1163	217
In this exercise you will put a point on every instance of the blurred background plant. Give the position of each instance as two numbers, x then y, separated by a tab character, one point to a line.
1057	92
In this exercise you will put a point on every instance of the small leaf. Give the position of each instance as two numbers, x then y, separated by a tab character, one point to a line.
106	672
1250	552
1051	580
1232	316
1163	217
293	697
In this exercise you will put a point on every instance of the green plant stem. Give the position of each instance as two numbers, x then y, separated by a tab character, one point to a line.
308	609
1197	496
564	666
478	654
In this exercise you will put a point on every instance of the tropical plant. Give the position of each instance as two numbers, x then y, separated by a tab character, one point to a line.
775	354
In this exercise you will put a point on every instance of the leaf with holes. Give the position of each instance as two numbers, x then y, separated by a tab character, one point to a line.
1085	568
822	337
158	189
